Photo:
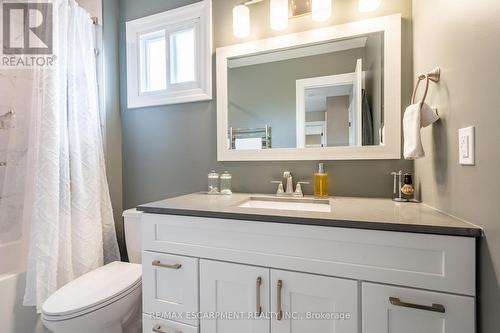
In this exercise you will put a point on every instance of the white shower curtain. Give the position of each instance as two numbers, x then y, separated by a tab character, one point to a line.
72	229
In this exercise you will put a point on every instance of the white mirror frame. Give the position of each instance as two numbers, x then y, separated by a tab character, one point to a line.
390	149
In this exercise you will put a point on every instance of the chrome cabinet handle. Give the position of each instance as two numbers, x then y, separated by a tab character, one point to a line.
158	263
259	307
434	308
279	315
157	329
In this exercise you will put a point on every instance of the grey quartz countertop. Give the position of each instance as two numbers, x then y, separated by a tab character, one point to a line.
346	212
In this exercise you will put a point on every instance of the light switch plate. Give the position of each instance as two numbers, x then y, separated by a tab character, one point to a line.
466	145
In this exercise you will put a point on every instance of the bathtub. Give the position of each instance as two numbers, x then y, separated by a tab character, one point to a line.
14	317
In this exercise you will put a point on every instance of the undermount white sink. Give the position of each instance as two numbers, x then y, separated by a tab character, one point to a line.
298	204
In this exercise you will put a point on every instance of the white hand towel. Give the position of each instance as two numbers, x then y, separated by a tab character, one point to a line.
416	116
427	116
248	144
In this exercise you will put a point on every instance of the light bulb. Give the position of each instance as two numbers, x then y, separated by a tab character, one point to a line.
366	6
241	21
321	10
279	14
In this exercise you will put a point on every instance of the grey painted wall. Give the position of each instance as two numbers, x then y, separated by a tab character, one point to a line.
111	95
168	150
463	38
315	116
266	93
337	119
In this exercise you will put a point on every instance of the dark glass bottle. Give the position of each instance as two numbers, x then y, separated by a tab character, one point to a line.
408	190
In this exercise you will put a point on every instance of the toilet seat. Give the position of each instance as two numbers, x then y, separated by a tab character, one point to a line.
93	291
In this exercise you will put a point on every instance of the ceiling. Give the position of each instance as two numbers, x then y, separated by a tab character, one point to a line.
316	97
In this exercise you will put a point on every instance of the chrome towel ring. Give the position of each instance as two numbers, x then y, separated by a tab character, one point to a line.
433	76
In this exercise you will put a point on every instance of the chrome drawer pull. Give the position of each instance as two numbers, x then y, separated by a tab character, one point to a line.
157	263
279	315
157	329
259	308
434	308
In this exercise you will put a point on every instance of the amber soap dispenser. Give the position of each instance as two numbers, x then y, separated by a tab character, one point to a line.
321	182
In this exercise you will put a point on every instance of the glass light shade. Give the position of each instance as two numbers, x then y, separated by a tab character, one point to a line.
366	6
279	14
321	10
241	21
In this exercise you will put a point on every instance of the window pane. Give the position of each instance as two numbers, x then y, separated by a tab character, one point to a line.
154	63
182	56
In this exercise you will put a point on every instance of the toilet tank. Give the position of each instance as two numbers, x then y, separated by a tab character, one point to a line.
133	234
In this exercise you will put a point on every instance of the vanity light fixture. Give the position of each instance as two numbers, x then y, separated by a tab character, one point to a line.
241	21
366	6
279	14
280	11
321	10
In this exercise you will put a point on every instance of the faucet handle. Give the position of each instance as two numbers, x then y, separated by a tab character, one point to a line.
280	190
298	189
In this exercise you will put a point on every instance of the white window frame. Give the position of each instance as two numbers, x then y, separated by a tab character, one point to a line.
197	16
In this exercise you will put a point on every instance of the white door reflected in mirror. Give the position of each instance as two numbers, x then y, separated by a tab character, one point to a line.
330	111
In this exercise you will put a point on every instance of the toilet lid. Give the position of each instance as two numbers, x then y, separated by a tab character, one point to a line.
93	288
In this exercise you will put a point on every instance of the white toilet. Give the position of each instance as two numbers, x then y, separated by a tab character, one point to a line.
105	300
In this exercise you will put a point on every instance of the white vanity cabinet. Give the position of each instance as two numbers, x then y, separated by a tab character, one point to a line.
394	310
170	285
156	325
297	302
323	279
322	304
233	289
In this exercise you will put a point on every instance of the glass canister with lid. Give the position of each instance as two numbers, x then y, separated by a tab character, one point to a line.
225	183
213	182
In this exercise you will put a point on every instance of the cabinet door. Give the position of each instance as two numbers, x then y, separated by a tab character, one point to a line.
155	325
312	303
170	286
233	290
388	309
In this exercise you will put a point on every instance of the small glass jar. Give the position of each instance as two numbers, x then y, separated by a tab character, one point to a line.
225	183
213	182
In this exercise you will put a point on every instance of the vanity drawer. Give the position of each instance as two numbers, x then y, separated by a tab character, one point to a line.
433	262
170	286
393	309
152	325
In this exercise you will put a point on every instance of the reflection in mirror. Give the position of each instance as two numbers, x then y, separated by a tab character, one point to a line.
319	95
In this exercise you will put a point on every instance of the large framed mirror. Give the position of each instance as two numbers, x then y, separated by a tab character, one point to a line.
325	94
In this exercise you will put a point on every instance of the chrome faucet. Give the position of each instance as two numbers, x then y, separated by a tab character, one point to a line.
287	175
287	190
